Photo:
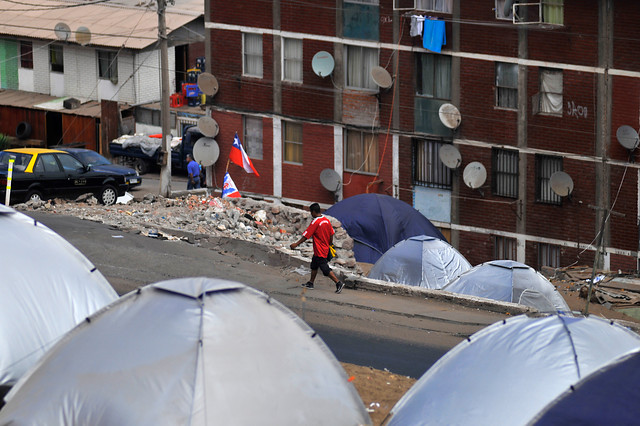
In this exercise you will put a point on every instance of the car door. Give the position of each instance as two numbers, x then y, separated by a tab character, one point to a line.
49	175
78	179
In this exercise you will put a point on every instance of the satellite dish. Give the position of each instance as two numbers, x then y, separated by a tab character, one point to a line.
381	77
208	127
208	84
83	35
628	137
330	179
474	175
62	31
561	183
322	63
508	7
206	151
450	156
449	116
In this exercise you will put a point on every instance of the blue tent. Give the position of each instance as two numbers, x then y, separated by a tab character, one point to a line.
376	222
608	396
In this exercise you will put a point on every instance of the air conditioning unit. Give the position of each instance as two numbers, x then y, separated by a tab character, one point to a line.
526	13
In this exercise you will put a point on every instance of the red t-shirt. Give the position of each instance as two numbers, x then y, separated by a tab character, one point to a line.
321	231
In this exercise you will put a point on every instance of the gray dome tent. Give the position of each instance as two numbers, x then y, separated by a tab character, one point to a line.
193	351
420	261
47	288
510	281
506	373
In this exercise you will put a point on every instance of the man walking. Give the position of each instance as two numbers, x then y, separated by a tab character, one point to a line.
194	173
322	232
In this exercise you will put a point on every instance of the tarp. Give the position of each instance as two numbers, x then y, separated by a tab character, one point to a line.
420	261
506	373
608	396
376	222
191	351
47	287
510	281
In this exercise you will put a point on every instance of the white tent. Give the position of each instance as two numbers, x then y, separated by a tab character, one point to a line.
420	261
510	281
507	372
47	288
193	351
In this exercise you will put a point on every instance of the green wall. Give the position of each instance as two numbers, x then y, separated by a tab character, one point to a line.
9	64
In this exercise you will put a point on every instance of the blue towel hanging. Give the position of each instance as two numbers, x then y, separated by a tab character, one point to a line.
433	35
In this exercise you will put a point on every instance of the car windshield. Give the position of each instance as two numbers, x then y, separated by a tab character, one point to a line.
92	158
21	160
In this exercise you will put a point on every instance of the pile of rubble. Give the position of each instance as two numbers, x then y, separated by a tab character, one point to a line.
273	225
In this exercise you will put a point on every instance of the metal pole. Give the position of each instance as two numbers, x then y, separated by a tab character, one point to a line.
595	261
7	195
165	172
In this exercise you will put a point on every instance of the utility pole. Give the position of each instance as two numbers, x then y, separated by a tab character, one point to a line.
165	172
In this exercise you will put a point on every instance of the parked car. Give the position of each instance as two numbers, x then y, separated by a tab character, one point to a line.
40	174
99	163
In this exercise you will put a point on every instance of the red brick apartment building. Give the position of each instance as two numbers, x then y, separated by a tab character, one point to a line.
540	93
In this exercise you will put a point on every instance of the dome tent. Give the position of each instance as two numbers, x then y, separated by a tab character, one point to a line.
194	351
420	261
608	396
509	281
47	288
506	373
376	222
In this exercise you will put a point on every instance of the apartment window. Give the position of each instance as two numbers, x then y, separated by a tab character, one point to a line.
26	54
361	152
551	92
434	5
55	58
292	59
433	76
504	248
504	181
148	116
252	55
253	137
360	61
428	170
553	12
507	85
501	13
108	66
546	166
548	255
373	2
292	142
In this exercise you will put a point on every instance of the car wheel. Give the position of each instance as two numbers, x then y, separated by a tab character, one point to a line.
141	166
33	195
108	195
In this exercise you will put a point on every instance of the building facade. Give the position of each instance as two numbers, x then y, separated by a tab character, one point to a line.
538	93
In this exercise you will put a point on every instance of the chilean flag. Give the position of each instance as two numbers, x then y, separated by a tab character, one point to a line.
239	157
229	187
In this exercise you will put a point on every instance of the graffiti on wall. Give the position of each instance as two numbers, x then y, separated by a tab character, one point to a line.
577	111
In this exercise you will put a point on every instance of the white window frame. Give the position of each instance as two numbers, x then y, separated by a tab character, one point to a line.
546	107
444	6
295	61
246	54
504	87
367	75
253	142
112	67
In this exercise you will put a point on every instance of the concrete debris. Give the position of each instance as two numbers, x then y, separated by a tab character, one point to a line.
261	222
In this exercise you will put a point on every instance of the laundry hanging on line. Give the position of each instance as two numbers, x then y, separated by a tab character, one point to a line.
432	31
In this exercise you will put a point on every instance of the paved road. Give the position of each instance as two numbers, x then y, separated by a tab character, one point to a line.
405	335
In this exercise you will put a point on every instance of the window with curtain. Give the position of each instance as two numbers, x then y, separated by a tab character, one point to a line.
360	61
252	55
56	60
553	12
504	181
548	255
551	91
108	65
292	59
361	152
546	166
292	134
507	85
500	12
26	54
433	76
253	137
434	5
504	248
428	170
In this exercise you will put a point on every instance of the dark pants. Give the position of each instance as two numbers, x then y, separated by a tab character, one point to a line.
320	262
196	183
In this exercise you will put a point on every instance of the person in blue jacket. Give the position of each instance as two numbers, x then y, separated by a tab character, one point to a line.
193	169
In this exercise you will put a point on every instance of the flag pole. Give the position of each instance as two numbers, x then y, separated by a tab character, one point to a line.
226	170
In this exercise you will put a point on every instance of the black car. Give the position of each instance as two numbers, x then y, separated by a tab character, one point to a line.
99	164
40	174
